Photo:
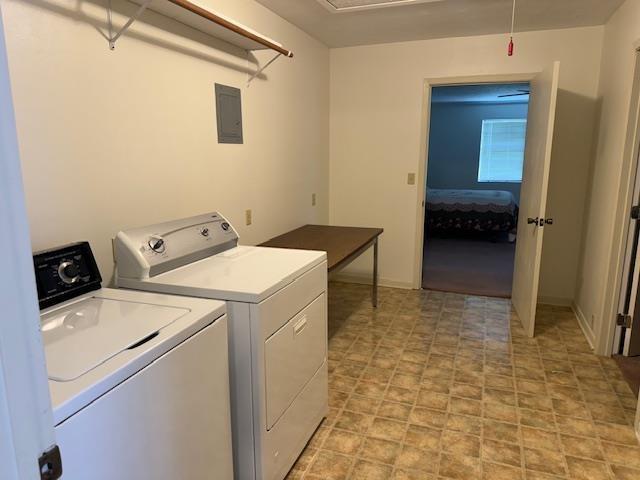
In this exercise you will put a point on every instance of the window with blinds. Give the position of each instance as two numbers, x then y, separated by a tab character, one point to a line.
502	150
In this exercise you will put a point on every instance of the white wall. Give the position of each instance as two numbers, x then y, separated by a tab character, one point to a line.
595	298
376	110
118	139
454	144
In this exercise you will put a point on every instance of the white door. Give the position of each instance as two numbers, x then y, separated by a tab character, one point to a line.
533	197
26	422
628	334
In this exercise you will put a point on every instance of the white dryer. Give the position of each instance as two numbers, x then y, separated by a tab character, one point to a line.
277	307
138	381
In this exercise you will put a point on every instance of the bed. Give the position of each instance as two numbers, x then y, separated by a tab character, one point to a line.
456	212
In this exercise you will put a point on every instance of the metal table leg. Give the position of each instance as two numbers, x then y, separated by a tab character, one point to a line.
374	293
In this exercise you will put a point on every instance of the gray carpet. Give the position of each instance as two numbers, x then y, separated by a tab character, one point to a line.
468	266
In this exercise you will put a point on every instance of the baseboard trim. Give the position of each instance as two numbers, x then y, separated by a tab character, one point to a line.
584	325
364	279
555	301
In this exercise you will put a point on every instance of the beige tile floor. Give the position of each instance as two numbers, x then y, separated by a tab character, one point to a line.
444	386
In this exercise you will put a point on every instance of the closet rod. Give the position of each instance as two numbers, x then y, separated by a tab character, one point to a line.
206	14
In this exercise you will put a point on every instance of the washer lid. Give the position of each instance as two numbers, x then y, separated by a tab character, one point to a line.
87	333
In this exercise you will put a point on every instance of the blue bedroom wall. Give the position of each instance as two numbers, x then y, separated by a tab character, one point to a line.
454	144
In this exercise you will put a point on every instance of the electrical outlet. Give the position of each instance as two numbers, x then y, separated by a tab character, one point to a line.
411	179
247	217
313	199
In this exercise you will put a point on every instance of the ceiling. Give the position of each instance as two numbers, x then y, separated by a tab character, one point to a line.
490	93
338	24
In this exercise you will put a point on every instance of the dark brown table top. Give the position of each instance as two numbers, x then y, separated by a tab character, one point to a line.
340	243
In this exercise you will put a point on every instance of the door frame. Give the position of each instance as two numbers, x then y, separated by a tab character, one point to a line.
425	127
608	335
26	419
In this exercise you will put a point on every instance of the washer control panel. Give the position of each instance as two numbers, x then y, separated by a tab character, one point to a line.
65	272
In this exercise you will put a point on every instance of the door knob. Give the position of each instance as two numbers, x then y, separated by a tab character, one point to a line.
533	221
548	221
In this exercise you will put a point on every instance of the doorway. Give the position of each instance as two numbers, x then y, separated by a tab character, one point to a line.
476	150
532	215
627	336
626	339
623	335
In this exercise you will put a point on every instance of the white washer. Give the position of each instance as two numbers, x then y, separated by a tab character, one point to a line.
277	307
139	381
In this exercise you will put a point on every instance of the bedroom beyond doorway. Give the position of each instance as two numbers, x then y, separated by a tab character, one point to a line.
474	174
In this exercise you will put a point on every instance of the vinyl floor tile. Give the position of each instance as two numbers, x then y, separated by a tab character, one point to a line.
441	386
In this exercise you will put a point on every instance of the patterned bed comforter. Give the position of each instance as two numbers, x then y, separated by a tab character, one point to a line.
470	211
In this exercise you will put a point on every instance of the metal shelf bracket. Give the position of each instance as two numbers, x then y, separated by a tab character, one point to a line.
262	69
112	38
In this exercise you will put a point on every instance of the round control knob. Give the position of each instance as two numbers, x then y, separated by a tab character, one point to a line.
225	226
204	232
156	243
69	272
72	270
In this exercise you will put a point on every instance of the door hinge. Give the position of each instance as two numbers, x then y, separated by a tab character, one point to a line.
635	212
50	464
623	320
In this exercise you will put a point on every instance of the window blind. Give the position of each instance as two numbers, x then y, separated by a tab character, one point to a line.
502	150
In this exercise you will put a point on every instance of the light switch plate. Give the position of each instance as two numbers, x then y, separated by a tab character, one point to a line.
247	217
411	179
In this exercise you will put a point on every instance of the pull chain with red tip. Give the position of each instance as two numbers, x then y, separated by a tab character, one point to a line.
513	19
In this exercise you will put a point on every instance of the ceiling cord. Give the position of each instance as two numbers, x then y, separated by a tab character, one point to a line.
513	21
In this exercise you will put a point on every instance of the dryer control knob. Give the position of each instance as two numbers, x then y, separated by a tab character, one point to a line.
156	243
225	226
